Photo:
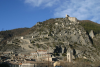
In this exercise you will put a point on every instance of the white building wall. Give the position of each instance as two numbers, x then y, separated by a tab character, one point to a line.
69	57
22	37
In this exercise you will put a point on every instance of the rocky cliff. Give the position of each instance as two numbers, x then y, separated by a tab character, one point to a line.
59	35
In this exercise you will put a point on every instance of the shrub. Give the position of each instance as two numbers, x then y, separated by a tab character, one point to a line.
64	54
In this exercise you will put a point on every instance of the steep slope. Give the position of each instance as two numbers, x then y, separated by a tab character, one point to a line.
89	25
59	35
9	34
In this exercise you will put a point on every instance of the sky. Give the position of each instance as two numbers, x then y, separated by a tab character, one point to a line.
26	13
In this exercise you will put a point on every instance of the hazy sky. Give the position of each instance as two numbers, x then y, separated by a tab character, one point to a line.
26	13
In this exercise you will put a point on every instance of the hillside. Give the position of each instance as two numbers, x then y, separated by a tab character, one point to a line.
9	34
89	25
59	35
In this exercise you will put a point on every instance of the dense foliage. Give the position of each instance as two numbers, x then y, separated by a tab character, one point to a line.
9	34
89	25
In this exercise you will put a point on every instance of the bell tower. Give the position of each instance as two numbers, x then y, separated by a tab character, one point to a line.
69	55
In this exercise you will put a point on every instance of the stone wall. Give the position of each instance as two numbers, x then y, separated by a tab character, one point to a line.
73	19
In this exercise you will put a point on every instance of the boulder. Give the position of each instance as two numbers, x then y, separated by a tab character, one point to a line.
91	34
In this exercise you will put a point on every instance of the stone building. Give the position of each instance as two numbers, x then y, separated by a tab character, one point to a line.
73	19
40	54
69	55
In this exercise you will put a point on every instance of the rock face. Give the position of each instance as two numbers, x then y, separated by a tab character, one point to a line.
91	34
59	34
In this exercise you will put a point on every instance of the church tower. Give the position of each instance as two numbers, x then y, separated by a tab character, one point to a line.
69	55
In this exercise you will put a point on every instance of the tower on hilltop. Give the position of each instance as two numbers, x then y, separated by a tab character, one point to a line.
67	15
69	55
73	19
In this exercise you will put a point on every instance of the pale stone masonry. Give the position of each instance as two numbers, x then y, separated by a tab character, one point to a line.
69	55
91	34
73	19
40	54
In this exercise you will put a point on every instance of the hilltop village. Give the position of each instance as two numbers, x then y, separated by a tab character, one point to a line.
50	46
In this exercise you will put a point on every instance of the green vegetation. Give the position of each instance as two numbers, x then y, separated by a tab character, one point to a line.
16	40
89	25
11	47
9	34
59	40
54	45
50	29
56	54
61	43
82	60
46	38
44	47
14	32
33	42
64	54
6	34
30	46
38	46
